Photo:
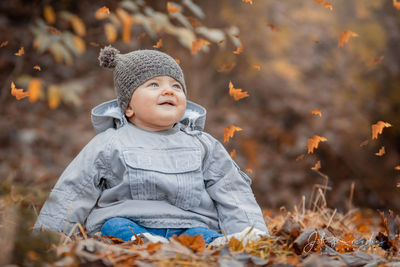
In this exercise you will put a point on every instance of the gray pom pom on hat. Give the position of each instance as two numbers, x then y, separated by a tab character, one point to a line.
135	68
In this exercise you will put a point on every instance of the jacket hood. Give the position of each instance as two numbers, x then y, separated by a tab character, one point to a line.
109	115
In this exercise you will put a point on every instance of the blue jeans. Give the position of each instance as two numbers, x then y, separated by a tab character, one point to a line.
119	227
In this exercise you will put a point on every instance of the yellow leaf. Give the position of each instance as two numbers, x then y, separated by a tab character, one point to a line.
233	153
344	37
238	50
381	151
248	1
316	112
111	32
102	13
54	96
397	168
127	24
237	93
37	67
78	25
49	14
198	44
18	93
159	44
229	131
34	89
327	5
79	44
396	4
171	8
317	166
313	142
377	128
20	52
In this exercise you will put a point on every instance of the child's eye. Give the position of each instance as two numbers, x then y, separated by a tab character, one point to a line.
153	85
176	86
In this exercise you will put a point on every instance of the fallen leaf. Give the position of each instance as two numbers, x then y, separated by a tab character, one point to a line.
364	143
317	166
249	170
375	60
344	37
233	153
239	50
196	242
257	67
229	132
159	44
377	128
237	93
171	8
396	4
313	142
328	5
20	52
346	244
37	67
18	93
34	89
381	151
102	13
316	112
3	44
198	44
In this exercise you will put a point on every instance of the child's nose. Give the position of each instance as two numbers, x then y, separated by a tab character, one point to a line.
168	91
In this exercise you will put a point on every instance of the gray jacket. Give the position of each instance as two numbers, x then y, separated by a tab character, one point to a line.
176	178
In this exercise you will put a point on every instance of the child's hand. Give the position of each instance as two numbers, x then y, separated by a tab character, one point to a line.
248	234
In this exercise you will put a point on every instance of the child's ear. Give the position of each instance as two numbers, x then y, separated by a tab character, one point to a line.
129	111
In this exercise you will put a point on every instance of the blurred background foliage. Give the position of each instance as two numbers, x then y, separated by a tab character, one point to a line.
290	65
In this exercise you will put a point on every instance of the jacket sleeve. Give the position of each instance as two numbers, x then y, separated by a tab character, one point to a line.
78	189
230	189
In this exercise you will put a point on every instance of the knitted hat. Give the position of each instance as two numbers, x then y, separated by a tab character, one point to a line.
133	69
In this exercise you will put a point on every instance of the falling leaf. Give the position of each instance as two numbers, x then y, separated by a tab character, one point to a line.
327	5
198	44
159	44
102	13
142	35
313	142
398	185
78	25
397	168
233	153
54	96
364	143
194	22
177	60
300	157
127	22
319	1
94	44
396	4
53	30
344	37
266	213
248	1
272	27
49	14
226	67
257	67
317	166
381	151
237	93
229	131
79	44
18	93
34	89
249	170
377	128
37	67
239	50
111	32
3	44
316	112
375	60
171	8
20	52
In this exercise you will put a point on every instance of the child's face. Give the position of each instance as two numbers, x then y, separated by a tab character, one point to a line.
157	104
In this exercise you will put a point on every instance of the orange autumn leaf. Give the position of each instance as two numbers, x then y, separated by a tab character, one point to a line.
177	60
237	93
377	128
94	44
34	89
313	142
397	168
127	22
300	157
317	166
233	153
20	52
158	44
229	132
375	60
327	5
381	151
18	93
248	1
111	32
249	170
171	8
316	42
319	1
316	112
49	14
53	30
102	13
344	37
78	25
196	242
257	67
226	67
238	50
37	67
396	4
198	44
54	96
346	244
3	44
272	27
398	185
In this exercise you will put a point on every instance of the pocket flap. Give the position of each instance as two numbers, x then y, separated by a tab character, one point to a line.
178	160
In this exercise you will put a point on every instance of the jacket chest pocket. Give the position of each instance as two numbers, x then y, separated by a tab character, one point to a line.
166	174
